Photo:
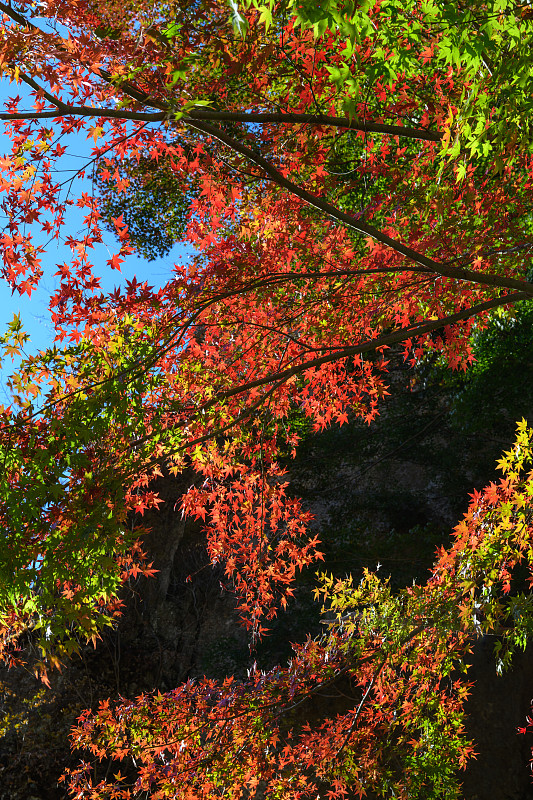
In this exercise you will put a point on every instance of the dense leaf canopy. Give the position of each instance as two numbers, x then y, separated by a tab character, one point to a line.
353	177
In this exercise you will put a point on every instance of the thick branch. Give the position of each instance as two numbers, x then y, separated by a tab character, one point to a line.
373	344
246	117
281	377
85	111
460	273
313	119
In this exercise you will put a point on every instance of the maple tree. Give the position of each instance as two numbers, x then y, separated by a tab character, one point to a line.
353	177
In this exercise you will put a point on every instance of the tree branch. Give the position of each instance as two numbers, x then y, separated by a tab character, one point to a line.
460	273
381	341
281	377
85	111
246	117
313	119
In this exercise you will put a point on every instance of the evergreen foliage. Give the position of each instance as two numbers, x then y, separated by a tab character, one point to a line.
154	203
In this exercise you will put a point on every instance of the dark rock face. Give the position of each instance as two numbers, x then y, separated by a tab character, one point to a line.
166	529
497	706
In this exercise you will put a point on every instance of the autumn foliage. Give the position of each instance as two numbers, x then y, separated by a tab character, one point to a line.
352	177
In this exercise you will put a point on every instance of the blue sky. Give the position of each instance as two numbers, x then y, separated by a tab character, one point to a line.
34	310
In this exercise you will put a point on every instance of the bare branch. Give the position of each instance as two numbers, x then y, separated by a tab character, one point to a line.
313	119
85	111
